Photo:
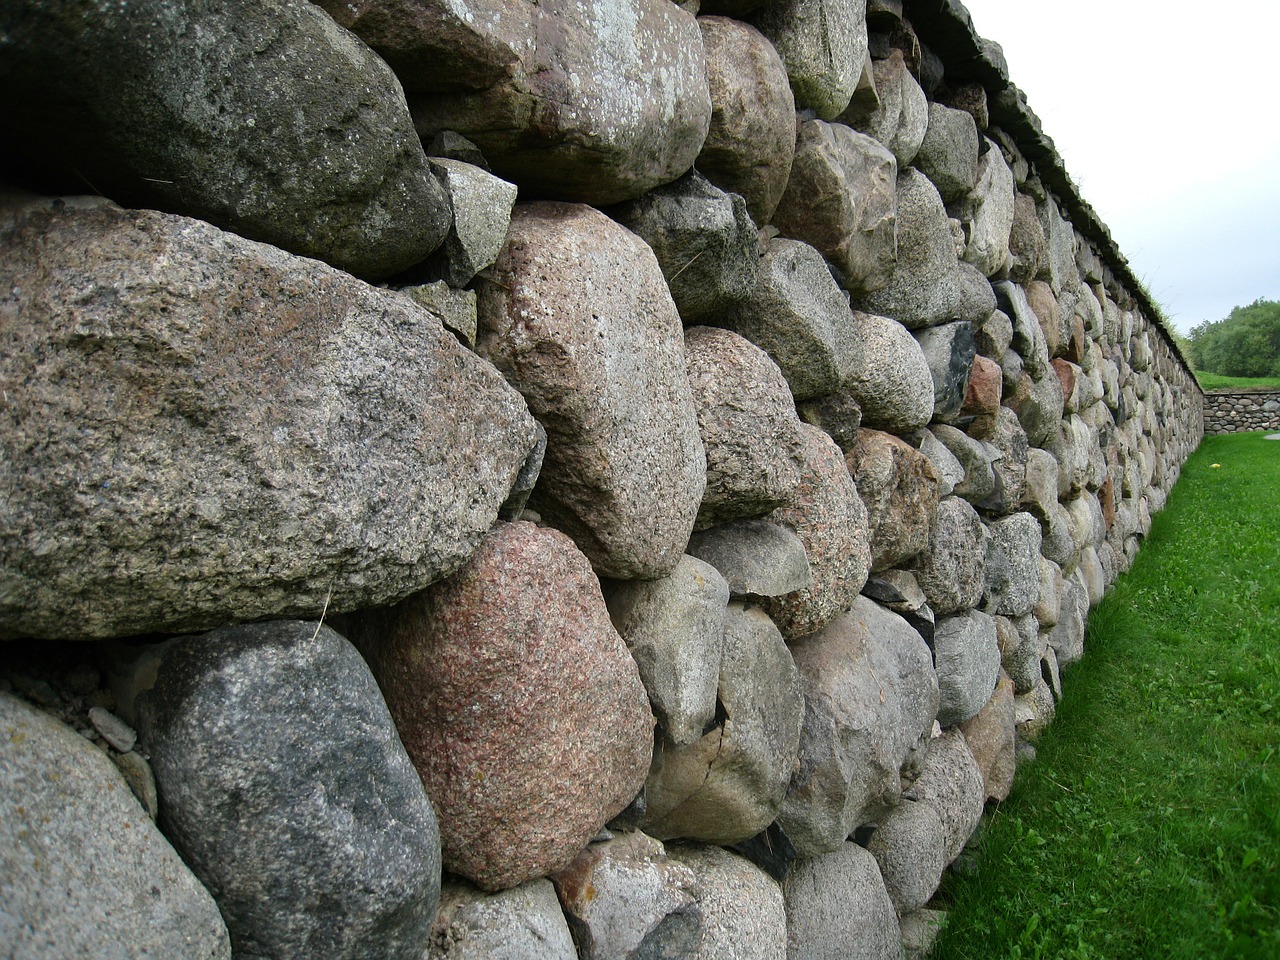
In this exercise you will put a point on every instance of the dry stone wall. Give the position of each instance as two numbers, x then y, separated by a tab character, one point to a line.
1241	412
600	479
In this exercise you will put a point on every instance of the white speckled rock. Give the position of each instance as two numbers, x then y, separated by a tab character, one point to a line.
838	909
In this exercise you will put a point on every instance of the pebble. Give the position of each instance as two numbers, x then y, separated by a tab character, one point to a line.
114	730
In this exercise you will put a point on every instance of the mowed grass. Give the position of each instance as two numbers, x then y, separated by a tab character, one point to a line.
1215	381
1149	824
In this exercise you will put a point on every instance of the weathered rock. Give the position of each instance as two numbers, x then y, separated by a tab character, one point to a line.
1038	403
1052	583
920	931
748	423
831	521
1040	494
729	785
968	664
610	101
975	458
799	317
903	114
83	869
823	44
870	695
517	701
265	739
580	321
455	309
1034	711
987	214
838	415
1020	651
929	284
949	152
261	118
908	846
622	897
949	350
842	198
950	471
950	570
983	393
993	335
991	738
889	376
1067	636
1013	565
1028	339
523	923
202	429
743	912
951	783
1044	305
705	243
757	558
1060	253
481	206
752	137
838	909
899	488
1009	443
898	591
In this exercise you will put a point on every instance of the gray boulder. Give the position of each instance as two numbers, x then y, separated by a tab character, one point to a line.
1067	635
263	118
1021	647
823	44
975	460
951	782
950	570
900	120
752	137
481	206
1008	443
523	923
968	664
1027	246
987	214
949	469
889	376
842	198
1013	565
929	284
899	488
1038	403
1060	243
757	558
992	739
949	152
994	335
455	309
84	873
949	350
226	432
705	243
580	320
870	696
908	845
838	909
611	100
743	912
265	741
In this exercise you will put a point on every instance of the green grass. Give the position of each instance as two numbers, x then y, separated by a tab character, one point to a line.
1149	824
1215	381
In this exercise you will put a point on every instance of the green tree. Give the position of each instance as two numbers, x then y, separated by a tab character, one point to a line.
1245	344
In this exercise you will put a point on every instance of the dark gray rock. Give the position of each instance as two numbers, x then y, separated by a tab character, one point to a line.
968	664
1013	565
263	118
949	152
949	350
823	44
266	741
950	570
523	923
220	431
838	909
84	873
757	558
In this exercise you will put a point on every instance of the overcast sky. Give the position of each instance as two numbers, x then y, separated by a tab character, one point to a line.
1166	116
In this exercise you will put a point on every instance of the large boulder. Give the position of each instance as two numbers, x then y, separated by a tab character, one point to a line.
579	319
889	376
838	909
523	923
950	781
83	870
842	199
900	120
968	663
599	102
950	570
518	702
211	430
908	844
987	214
261	117
743	912
899	488
752	137
1013	565
267	742
870	696
949	152
823	44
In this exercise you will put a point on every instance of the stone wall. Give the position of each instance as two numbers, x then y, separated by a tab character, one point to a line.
540	480
1241	412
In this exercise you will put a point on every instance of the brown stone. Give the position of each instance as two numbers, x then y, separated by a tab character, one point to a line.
518	703
1044	305
1067	372
982	398
991	737
899	487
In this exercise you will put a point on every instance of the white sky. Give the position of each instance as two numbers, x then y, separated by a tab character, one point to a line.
1166	117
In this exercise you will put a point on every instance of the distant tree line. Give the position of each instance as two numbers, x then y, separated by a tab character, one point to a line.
1245	344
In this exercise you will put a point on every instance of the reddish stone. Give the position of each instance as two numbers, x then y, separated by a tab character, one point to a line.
1107	501
1066	371
983	396
991	738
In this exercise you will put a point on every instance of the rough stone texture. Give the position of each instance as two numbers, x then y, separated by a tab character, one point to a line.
1044	305
968	664
975	458
831	521
261	117
949	152
889	376
1034	711
838	415
744	915
623	896
1013	565
1038	403
870	696
187	409
950	570
1020	651
1060	246
455	309
950	471
920	931
517	701
929	285
908	846
987	214
1067	636
757	558
899	488
838	909
983	393
823	44
705	243
729	785
902	117
991	737
1009	461
674	628
84	873
610	101
842	198
798	315
265	740
1028	248
748	423
523	923
949	350
481	206
951	783
752	138
580	321
994	335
